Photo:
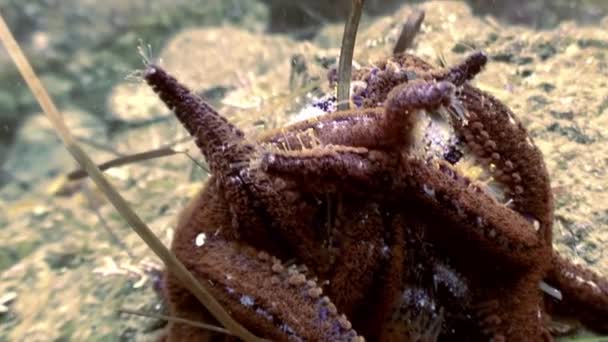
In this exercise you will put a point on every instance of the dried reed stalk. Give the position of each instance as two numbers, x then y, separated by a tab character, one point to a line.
345	65
172	264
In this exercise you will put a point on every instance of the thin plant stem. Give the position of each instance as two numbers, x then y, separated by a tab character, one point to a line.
346	54
408	32
172	264
125	160
177	320
122	159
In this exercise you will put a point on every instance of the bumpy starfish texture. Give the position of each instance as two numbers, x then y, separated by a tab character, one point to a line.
272	300
494	228
424	213
585	294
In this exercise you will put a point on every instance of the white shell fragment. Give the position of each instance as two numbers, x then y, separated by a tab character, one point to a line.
5	299
550	290
200	239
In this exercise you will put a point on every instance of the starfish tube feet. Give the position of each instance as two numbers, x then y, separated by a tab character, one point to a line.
499	140
273	300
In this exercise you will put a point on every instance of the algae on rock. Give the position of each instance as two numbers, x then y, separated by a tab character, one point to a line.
553	81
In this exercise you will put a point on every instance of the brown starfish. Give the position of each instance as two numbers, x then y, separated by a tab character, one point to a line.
384	173
516	233
240	216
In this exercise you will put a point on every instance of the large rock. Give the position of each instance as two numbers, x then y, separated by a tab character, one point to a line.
82	48
37	155
248	73
303	19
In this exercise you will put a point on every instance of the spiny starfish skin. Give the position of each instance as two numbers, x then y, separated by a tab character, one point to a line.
585	293
522	233
494	228
267	297
390	207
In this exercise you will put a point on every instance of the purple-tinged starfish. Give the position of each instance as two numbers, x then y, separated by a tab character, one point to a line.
428	171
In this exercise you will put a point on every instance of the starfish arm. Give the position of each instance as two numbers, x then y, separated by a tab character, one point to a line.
226	150
464	71
405	100
329	168
473	215
373	128
222	143
275	301
511	309
376	82
251	196
585	293
495	228
501	142
357	128
355	269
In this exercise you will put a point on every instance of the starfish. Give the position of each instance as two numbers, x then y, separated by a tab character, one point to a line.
382	208
515	233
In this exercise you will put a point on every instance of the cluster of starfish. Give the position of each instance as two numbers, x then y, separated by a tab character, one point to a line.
424	213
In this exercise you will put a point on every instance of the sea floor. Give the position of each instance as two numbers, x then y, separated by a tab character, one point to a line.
68	261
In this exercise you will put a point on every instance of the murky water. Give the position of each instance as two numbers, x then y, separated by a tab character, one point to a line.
69	263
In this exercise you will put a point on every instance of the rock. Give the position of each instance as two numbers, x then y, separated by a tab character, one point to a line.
61	260
82	48
15	252
542	13
37	155
198	58
5	300
559	94
304	18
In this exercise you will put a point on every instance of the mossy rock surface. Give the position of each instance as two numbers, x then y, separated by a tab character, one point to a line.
71	278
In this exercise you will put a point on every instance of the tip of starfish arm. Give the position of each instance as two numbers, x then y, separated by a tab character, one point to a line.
150	69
